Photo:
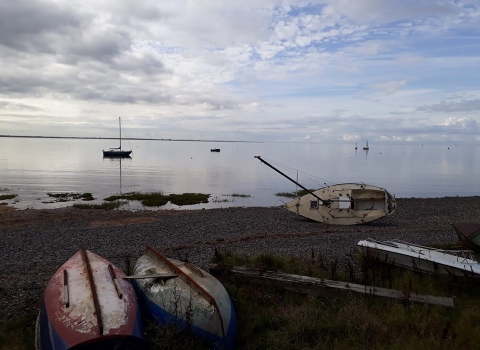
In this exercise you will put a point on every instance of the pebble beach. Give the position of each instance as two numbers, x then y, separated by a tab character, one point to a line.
35	243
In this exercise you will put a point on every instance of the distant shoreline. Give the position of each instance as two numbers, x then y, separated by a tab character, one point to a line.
116	138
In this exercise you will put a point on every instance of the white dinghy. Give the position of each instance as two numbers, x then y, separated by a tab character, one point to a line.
419	258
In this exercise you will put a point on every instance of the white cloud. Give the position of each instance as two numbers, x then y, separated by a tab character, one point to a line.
389	87
465	122
390	70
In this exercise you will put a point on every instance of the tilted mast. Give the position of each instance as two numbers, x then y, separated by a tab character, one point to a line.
295	182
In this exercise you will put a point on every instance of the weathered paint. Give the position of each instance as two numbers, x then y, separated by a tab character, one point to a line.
469	233
350	204
208	310
431	260
77	323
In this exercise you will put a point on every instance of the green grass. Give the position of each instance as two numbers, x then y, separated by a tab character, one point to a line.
19	333
7	196
218	199
104	205
273	319
70	196
171	338
158	199
240	195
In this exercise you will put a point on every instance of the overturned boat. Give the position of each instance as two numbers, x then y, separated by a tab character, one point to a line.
179	293
341	204
469	233
419	258
88	305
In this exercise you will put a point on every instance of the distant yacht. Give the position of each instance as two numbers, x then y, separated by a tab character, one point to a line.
355	145
117	152
366	146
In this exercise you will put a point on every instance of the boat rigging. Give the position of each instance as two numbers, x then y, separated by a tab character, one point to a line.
324	202
341	204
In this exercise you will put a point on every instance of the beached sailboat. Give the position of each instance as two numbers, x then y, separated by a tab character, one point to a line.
419	258
179	293
88	304
117	151
341	204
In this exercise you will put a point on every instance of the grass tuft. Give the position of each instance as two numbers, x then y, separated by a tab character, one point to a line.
18	333
292	194
240	195
104	206
71	196
159	199
7	196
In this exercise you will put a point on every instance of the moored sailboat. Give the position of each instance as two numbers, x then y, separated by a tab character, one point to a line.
117	151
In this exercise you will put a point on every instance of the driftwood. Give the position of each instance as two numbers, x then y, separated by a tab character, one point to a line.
320	287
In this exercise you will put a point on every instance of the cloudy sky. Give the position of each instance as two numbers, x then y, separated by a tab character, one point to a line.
263	70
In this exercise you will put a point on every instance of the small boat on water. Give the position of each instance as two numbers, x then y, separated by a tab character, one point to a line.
117	152
366	146
88	304
469	233
179	293
341	204
419	258
215	150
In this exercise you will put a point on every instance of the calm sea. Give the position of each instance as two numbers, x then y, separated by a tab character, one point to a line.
32	167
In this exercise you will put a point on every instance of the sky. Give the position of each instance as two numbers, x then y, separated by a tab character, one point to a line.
264	70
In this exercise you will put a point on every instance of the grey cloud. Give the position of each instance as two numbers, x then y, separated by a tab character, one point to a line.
143	10
26	24
102	47
147	64
462	106
9	106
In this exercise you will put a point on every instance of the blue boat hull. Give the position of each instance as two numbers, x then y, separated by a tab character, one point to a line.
187	297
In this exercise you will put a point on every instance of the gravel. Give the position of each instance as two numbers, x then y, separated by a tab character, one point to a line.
35	243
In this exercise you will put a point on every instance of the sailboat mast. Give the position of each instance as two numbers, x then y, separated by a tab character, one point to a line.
120	129
295	182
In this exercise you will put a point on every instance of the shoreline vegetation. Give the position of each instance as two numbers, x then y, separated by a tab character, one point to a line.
36	242
146	199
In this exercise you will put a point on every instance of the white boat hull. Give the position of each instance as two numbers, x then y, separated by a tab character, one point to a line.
351	204
420	258
188	297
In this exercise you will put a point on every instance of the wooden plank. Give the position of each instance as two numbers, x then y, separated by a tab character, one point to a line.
321	287
153	275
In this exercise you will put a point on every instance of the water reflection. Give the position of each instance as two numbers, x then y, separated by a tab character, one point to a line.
33	167
119	161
